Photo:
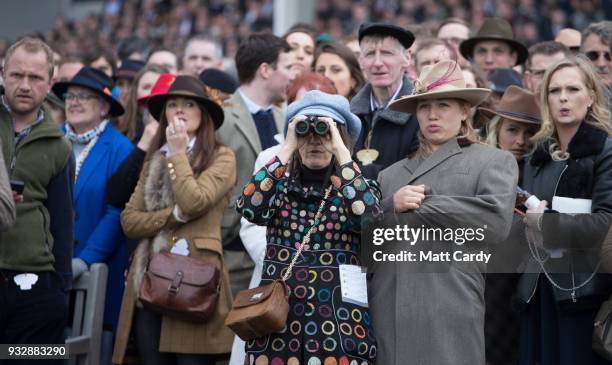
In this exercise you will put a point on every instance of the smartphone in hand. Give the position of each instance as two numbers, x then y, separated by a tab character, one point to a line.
17	186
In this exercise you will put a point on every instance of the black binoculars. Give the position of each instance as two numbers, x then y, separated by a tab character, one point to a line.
312	124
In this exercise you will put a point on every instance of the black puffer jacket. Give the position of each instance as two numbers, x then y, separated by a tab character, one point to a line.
587	174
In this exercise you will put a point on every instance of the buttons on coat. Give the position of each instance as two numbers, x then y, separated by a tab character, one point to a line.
171	171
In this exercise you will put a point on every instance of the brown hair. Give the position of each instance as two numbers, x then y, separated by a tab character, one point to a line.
128	122
206	143
256	49
302	28
349	59
548	48
309	81
31	45
104	53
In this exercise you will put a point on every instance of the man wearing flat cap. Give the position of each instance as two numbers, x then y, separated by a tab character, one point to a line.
494	46
386	136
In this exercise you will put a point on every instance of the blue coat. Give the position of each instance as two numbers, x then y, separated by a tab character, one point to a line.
97	230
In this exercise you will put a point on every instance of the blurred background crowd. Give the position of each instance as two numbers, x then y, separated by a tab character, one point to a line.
169	23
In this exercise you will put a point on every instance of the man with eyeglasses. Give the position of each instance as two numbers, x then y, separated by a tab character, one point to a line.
36	251
541	56
596	41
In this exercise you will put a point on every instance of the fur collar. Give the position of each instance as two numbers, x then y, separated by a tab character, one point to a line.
158	195
158	190
587	141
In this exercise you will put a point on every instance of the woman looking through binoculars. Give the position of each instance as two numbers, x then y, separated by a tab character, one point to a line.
314	172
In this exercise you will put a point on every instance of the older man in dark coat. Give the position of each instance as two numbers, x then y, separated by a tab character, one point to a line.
386	136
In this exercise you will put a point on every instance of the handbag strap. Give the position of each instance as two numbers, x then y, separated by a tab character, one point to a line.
306	239
535	253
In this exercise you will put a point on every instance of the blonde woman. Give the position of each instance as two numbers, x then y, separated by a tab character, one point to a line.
515	120
572	158
438	318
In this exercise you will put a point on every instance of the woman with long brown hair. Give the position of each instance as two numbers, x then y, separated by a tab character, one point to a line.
133	122
179	202
338	63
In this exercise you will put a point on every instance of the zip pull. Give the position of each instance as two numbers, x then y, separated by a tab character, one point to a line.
573	284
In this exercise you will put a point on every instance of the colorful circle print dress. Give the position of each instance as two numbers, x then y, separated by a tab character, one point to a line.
321	328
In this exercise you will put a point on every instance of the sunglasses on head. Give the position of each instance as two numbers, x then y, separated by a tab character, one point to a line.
594	55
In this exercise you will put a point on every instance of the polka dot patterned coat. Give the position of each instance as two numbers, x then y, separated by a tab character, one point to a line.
321	328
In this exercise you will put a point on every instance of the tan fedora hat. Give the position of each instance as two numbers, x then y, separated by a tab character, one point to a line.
516	104
494	29
443	80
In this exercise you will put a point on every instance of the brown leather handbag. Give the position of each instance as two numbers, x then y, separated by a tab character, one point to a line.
181	287
263	310
259	311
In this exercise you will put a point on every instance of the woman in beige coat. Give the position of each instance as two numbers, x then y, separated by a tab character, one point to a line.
182	194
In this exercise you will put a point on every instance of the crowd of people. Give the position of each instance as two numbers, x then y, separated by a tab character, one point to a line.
264	156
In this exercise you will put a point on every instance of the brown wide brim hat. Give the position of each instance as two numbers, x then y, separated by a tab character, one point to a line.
516	104
443	80
494	29
517	117
188	87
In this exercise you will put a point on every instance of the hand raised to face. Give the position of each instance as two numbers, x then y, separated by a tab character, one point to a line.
176	136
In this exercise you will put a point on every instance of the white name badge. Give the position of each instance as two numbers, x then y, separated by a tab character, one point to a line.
180	248
570	205
353	285
25	281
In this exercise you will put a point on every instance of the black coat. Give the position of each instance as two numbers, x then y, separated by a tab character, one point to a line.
587	174
123	182
394	134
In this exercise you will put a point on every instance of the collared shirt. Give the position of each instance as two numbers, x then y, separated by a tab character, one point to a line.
19	136
165	149
83	143
251	105
374	105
